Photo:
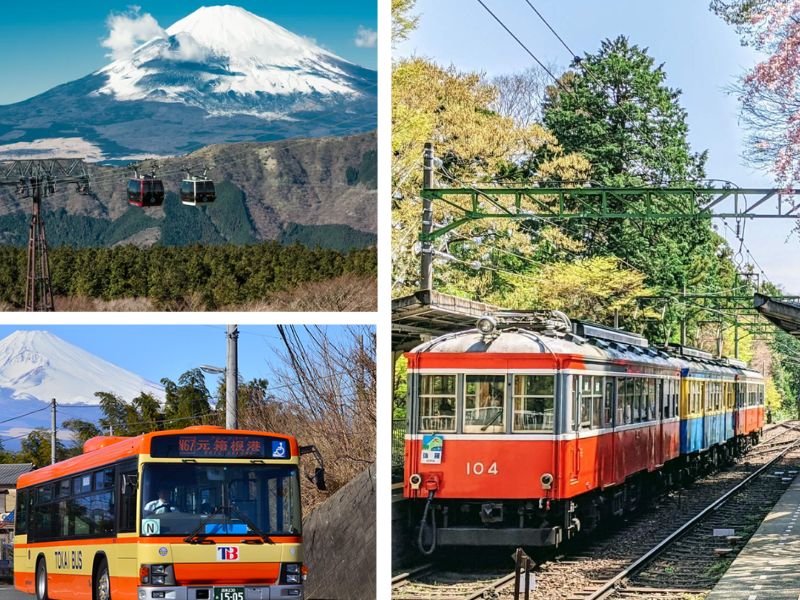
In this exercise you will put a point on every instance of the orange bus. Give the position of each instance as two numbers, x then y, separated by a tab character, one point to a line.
201	513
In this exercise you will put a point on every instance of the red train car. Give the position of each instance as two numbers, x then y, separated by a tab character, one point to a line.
530	432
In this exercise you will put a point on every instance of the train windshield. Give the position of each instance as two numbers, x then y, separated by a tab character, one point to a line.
484	403
220	499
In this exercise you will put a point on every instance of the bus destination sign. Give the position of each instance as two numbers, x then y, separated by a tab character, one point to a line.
219	446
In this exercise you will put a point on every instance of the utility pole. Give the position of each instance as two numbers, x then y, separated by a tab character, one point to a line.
232	379
53	431
426	279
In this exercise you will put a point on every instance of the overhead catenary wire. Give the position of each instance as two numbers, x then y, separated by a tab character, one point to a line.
524	47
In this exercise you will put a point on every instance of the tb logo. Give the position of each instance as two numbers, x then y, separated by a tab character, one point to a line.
227	553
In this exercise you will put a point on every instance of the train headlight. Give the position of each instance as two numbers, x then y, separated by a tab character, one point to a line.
486	325
547	481
415	481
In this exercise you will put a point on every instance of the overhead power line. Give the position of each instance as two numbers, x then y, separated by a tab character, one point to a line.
24	415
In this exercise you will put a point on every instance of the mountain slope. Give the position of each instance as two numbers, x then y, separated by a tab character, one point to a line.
294	190
37	365
219	75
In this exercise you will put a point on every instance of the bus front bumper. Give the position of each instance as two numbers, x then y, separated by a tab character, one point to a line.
194	592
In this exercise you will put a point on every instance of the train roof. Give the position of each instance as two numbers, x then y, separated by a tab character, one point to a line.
104	450
588	340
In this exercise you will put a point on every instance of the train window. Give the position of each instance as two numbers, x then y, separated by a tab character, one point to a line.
597	401
639	411
591	400
582	392
649	403
484	403
624	400
608	403
534	401
662	398
437	403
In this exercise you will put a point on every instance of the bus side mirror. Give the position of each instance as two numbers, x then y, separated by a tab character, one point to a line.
129	483
318	478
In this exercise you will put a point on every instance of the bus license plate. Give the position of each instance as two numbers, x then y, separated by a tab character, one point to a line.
229	593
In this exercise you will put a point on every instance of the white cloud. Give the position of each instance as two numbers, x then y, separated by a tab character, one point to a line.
129	30
365	37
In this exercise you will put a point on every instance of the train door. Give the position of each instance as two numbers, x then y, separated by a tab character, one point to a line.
579	416
660	429
704	416
608	447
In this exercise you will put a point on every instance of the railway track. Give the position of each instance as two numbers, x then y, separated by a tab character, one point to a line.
655	573
646	557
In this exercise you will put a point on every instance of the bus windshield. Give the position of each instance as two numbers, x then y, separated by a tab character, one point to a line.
220	499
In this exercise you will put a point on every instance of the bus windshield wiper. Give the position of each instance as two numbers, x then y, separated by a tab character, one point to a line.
196	536
253	527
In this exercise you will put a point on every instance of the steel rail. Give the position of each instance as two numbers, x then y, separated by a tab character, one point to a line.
609	588
495	585
401	578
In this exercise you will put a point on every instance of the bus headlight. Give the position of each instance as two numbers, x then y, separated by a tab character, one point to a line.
157	574
292	574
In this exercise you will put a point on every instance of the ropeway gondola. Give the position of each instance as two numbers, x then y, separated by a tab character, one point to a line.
197	190
145	190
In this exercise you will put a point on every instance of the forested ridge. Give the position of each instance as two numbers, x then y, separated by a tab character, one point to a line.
609	119
210	275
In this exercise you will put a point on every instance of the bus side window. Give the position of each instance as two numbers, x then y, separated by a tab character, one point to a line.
21	515
128	488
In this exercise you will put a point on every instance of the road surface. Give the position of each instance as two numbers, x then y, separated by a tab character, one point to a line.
7	592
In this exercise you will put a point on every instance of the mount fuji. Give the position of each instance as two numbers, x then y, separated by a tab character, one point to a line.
219	75
36	366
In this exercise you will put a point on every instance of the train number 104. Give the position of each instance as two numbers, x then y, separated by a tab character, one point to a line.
479	468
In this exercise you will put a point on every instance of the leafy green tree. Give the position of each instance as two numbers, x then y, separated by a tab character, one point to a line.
403	22
36	448
614	108
115	411
188	401
81	430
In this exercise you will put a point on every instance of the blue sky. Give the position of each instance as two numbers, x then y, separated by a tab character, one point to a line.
157	351
702	57
43	44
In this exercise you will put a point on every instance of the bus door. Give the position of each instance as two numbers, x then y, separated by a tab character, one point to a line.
126	486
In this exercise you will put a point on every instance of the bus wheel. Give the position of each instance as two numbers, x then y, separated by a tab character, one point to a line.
102	582
41	580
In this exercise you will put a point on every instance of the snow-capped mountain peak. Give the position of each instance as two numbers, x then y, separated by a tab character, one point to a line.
39	365
218	75
230	61
233	31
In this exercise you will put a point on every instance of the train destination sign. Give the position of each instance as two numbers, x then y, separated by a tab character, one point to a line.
219	446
